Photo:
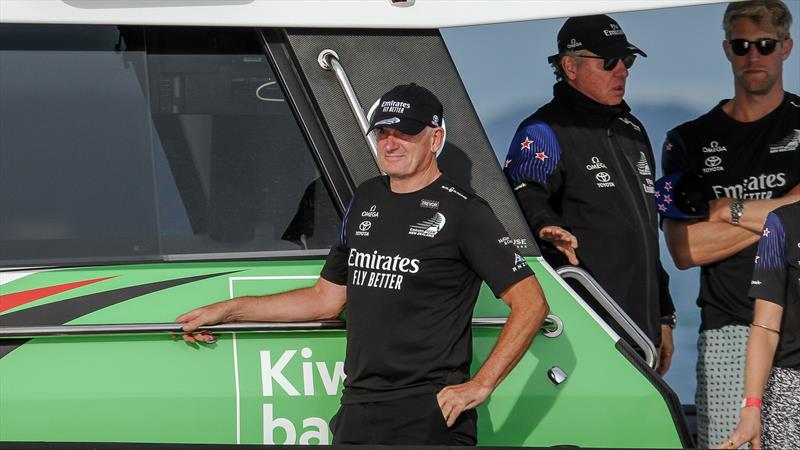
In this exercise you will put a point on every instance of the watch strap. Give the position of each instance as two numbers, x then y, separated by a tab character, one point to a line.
737	211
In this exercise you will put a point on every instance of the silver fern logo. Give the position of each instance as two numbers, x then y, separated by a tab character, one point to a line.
428	228
389	121
788	144
643	166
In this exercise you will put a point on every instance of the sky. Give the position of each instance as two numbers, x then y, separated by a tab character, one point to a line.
504	68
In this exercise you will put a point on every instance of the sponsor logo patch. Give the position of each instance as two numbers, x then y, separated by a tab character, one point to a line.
713	164
629	122
614	30
648	186
642	166
391	106
372	212
596	164
573	43
428	228
380	271
603	180
758	187
714	147
363	228
519	263
453	190
432	204
389	121
787	144
519	243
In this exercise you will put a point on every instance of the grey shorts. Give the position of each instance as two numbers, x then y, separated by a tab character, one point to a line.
720	382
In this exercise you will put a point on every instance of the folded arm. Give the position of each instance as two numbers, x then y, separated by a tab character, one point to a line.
699	243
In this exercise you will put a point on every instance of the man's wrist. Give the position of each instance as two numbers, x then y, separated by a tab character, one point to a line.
737	211
229	309
670	320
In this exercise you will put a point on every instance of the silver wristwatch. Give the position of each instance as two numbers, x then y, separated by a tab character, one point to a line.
737	211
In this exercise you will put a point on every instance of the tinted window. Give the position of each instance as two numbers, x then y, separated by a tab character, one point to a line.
143	143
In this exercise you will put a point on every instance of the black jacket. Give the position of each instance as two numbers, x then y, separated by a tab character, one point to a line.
588	168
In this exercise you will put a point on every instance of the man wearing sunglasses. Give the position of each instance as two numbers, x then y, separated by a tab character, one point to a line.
581	168
739	161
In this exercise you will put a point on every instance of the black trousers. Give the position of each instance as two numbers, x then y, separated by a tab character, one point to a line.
416	420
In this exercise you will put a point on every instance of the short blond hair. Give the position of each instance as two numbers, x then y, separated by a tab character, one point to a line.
770	13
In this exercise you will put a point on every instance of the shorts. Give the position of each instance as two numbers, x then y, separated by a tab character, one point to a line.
720	382
416	420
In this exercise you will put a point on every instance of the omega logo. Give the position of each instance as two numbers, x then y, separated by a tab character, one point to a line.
574	43
603	177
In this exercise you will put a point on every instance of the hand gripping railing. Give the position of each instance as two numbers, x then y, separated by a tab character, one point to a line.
551	327
613	309
329	60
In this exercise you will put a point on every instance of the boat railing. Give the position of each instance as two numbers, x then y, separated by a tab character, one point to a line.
613	309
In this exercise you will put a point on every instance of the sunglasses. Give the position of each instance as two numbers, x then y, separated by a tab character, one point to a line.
610	63
741	47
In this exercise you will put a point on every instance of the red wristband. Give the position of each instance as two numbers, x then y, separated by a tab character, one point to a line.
751	401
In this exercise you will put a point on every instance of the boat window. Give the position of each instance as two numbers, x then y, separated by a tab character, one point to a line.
150	143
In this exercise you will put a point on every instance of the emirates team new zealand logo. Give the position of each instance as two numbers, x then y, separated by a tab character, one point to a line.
428	228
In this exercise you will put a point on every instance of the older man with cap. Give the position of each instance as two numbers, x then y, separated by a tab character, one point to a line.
582	169
413	251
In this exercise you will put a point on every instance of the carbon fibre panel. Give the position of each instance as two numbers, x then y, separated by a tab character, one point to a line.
376	61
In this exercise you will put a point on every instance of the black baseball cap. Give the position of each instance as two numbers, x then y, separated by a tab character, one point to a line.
407	108
599	34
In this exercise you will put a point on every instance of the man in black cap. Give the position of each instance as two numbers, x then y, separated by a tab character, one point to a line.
581	168
413	251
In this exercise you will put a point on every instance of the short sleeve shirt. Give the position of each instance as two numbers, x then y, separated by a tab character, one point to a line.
776	278
413	265
750	161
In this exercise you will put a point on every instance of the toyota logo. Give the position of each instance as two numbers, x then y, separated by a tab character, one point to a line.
713	161
603	177
365	225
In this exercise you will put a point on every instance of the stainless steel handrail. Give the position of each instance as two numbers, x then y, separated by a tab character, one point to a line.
551	324
613	309
329	60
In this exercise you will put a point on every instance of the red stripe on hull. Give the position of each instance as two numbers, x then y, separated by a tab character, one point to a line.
9	301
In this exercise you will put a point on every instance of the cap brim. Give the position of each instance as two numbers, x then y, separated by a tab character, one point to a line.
404	125
619	51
